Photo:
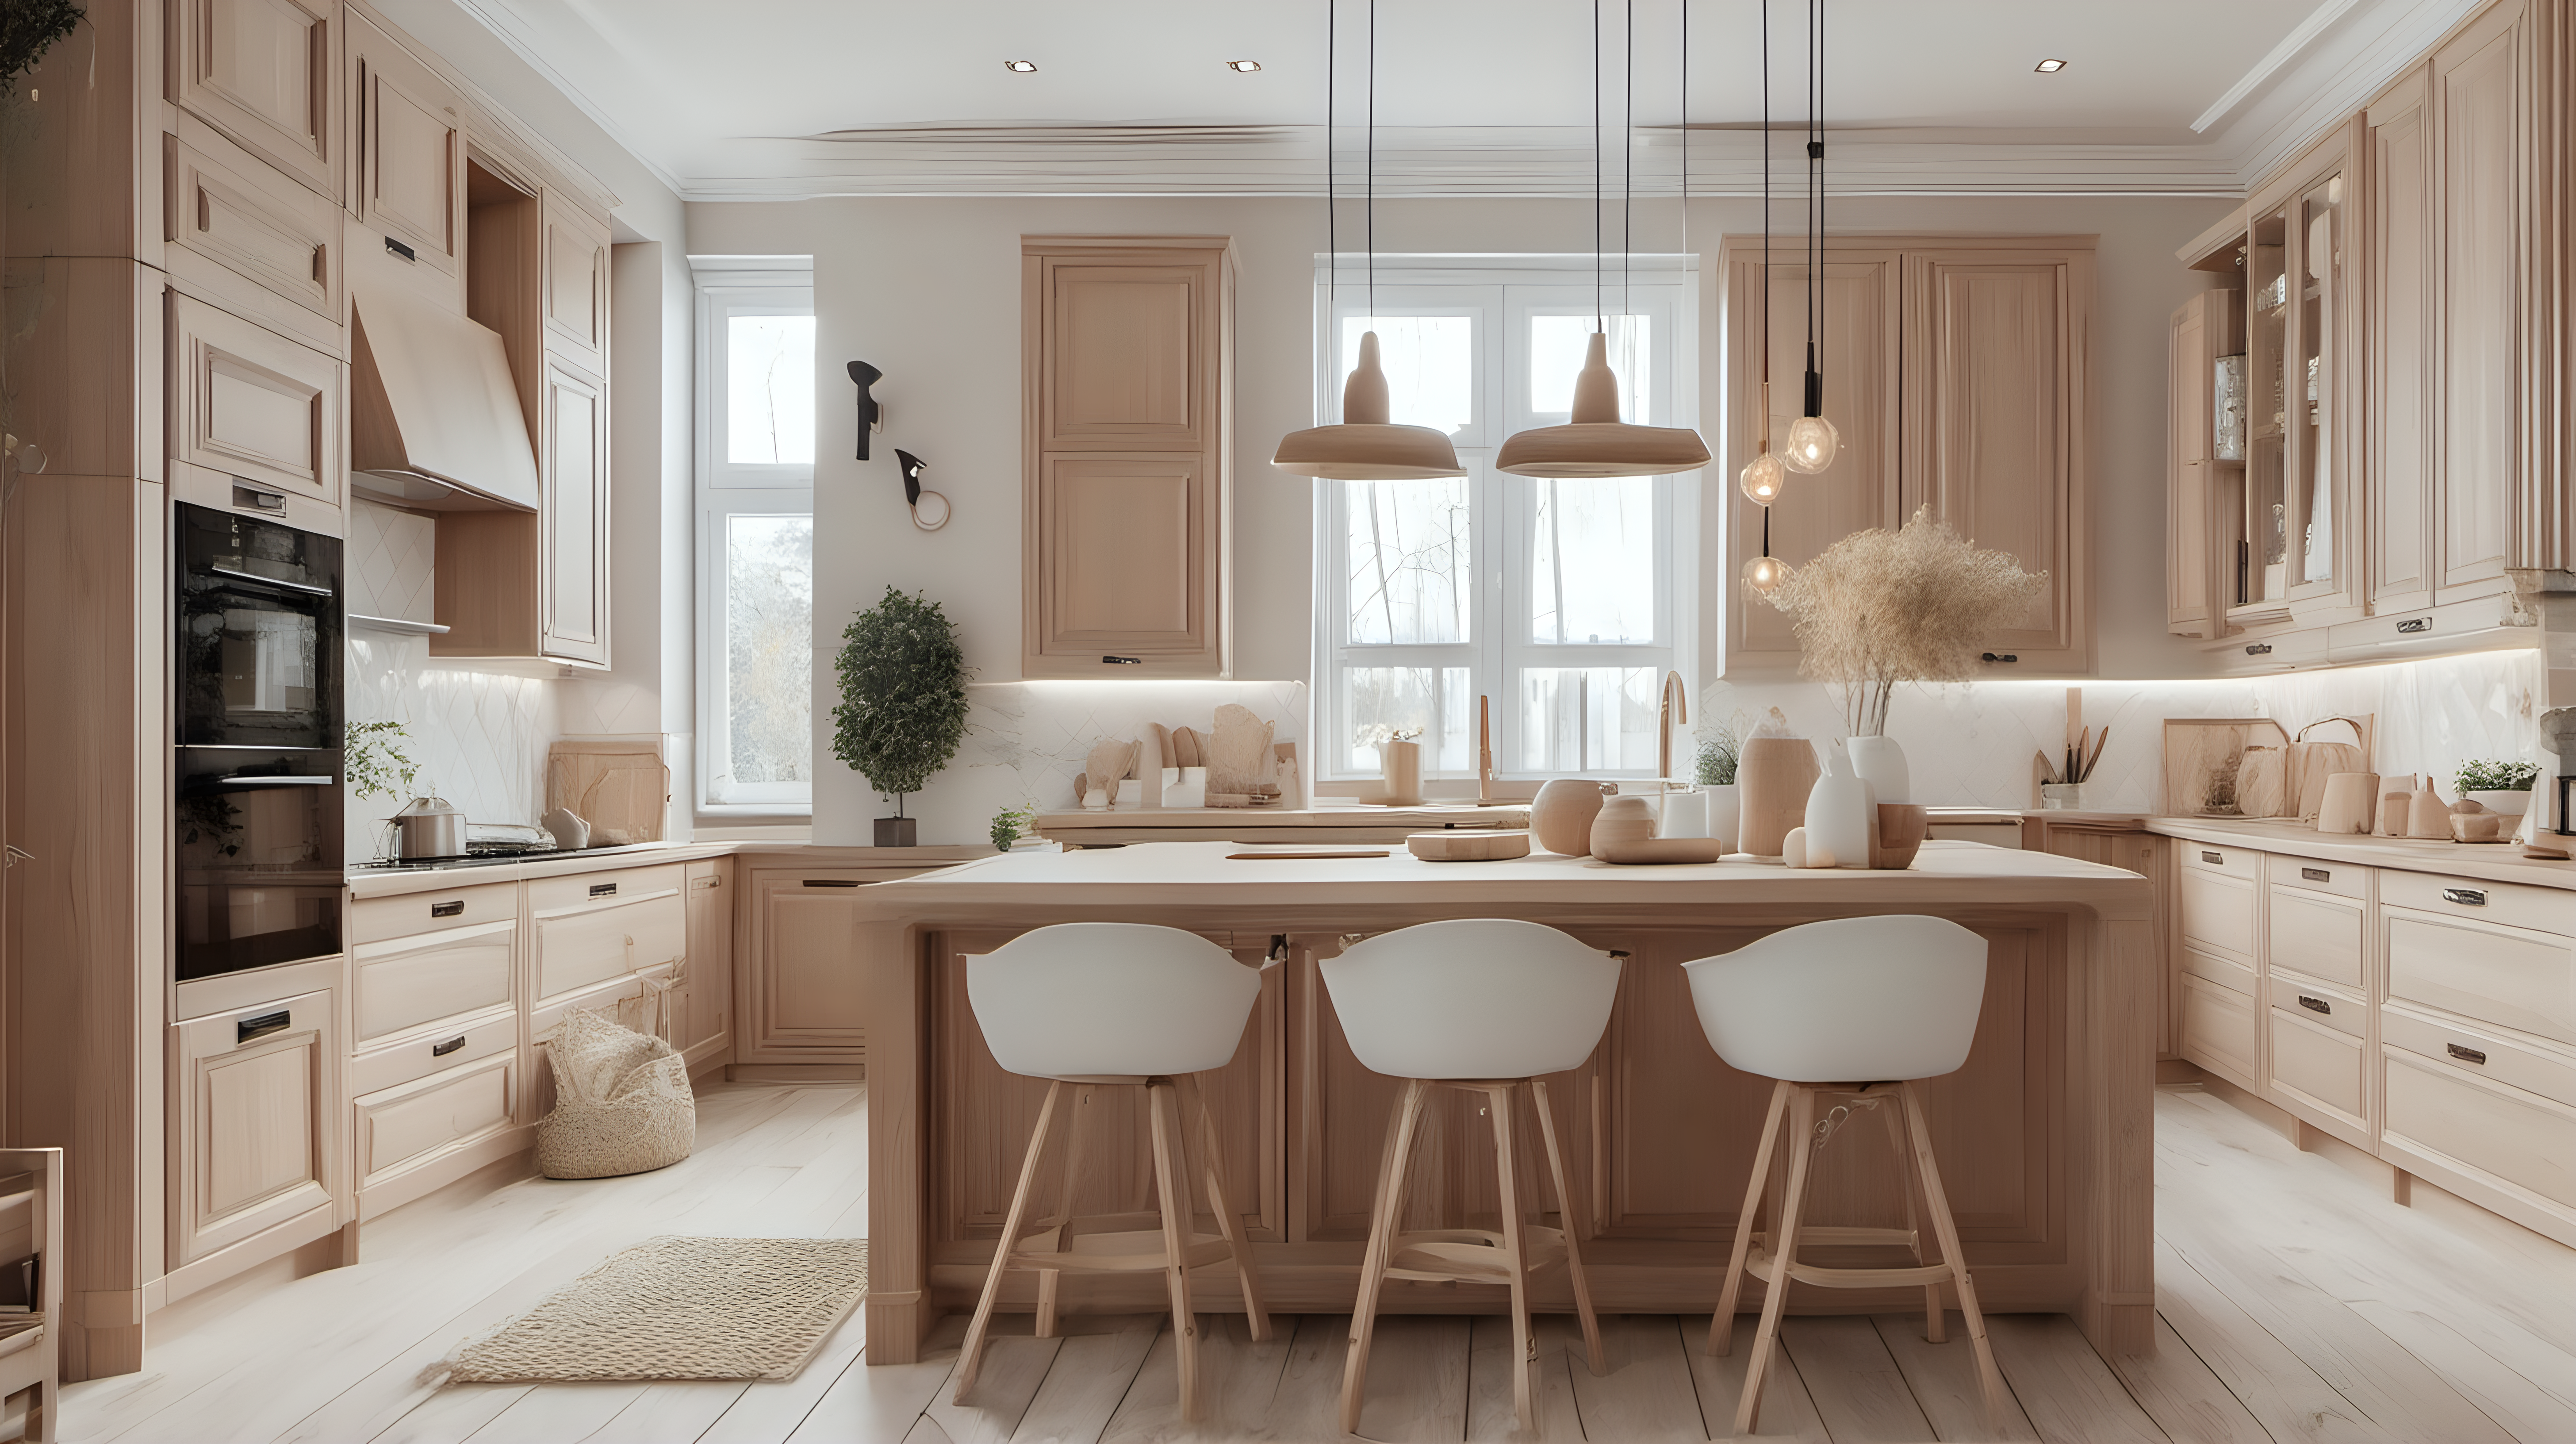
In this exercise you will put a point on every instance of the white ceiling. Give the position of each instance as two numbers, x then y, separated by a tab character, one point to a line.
796	97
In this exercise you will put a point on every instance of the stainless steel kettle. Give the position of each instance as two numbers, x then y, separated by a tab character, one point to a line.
428	827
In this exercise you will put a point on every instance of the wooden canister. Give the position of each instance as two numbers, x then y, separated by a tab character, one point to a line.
1561	815
1775	774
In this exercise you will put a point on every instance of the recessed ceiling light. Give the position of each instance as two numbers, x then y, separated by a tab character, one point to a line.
2049	67
1243	67
1022	67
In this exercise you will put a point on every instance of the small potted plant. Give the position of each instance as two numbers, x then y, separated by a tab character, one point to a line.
1721	747
1011	825
903	702
2499	786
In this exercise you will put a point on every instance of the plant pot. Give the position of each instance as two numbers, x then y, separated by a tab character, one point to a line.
1402	762
898	832
2512	804
2063	796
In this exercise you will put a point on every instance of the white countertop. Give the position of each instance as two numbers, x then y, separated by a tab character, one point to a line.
2485	861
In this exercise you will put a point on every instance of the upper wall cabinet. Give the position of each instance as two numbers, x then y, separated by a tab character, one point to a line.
1127	349
2205	487
410	144
246	402
2478	105
576	284
267	74
1955	374
2400	299
574	470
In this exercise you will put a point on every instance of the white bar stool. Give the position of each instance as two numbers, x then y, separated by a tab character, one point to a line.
1118	1003
1858	1006
1483	1005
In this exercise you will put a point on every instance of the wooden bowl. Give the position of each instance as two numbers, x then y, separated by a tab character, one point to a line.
1466	846
1900	834
1662	851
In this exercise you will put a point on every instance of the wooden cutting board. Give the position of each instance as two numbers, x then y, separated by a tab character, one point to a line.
619	788
2202	755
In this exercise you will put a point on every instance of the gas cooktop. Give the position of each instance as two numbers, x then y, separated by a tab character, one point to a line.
473	856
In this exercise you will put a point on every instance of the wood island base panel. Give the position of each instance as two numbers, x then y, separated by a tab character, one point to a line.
2045	1137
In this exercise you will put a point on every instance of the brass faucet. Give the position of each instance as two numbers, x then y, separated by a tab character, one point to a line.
1675	707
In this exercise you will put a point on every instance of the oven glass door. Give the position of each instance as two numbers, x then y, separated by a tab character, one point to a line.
259	859
259	633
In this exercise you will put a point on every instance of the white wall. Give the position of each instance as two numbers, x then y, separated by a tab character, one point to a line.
929	290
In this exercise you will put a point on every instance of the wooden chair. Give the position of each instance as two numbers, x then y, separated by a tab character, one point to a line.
1485	1006
1842	1008
31	1252
1095	1004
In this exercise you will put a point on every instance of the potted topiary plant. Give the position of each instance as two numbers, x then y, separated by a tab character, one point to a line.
903	702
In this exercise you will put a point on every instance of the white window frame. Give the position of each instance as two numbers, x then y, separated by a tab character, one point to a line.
1504	291
729	286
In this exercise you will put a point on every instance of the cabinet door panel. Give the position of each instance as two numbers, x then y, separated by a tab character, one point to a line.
258	1120
1123	559
234	211
248	402
1123	355
1990	443
2188	477
587	944
576	283
576	516
2478	97
2400	461
444	1114
1856	492
265	73
411	170
702	1004
804	1001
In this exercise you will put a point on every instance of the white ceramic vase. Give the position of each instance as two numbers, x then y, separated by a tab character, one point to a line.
1879	762
1725	812
1842	813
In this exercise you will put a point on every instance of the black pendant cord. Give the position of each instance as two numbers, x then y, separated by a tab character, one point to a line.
1332	198
1815	380
1598	310
1628	166
1372	163
1766	226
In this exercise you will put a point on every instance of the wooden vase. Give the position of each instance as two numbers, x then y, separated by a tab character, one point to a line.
1775	774
1402	762
1561	815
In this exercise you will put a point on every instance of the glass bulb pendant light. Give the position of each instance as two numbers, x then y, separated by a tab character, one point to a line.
1812	439
1763	478
1365	446
1594	442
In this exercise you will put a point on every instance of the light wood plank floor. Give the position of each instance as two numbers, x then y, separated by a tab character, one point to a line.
2296	1304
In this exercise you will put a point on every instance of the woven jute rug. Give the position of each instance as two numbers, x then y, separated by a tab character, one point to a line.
679	1308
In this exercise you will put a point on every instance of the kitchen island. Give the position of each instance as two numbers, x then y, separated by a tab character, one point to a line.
2044	1137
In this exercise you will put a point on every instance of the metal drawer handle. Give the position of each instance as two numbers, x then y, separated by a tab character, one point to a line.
603	889
2315	1005
831	882
1123	661
2467	1055
2467	897
441	1050
2316	874
260	1025
454	909
2213	857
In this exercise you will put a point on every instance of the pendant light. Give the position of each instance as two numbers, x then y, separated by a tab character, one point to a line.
1594	442
1364	446
1812	439
1764	477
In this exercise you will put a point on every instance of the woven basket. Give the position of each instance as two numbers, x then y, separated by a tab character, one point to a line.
622	1102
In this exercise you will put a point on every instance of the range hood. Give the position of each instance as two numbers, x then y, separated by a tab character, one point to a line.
434	418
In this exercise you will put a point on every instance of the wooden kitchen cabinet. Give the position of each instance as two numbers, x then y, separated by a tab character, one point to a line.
266	73
409	179
799	1002
246	402
576	284
572	467
702	1004
257	1122
593	928
249	235
2400	303
2479	111
1127	414
2203	490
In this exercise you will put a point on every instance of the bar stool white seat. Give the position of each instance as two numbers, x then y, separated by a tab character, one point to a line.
1852	1006
1117	1003
1484	1005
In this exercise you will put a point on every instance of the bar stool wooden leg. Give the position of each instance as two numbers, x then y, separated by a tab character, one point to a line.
1077	1112
1990	1379
1171	1184
1515	1252
1802	1122
1721	1329
1574	1223
1934	1331
971	1356
1390	1208
1194	1104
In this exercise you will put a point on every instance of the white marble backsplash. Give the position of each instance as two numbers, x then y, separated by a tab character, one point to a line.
479	737
1971	745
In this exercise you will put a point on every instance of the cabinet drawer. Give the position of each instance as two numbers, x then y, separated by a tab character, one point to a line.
2505	1135
2327	1007
2218	911
453	1108
2218	968
589	942
2317	1064
2242	862
228	207
2551	910
2310	874
435	1051
2506	976
375	919
2314	936
404	982
2480	1054
551	894
247	402
2218	1030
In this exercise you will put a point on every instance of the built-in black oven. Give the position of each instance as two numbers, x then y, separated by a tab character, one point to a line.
257	812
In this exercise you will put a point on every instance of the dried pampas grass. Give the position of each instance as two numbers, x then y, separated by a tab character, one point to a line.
1912	605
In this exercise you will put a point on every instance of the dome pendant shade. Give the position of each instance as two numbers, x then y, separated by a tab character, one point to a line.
1596	442
1364	447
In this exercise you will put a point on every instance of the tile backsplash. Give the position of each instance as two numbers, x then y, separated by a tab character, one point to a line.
478	737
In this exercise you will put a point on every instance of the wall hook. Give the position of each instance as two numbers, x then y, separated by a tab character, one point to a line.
871	411
929	508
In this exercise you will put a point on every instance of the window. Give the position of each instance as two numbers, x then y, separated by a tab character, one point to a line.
755	508
1554	599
